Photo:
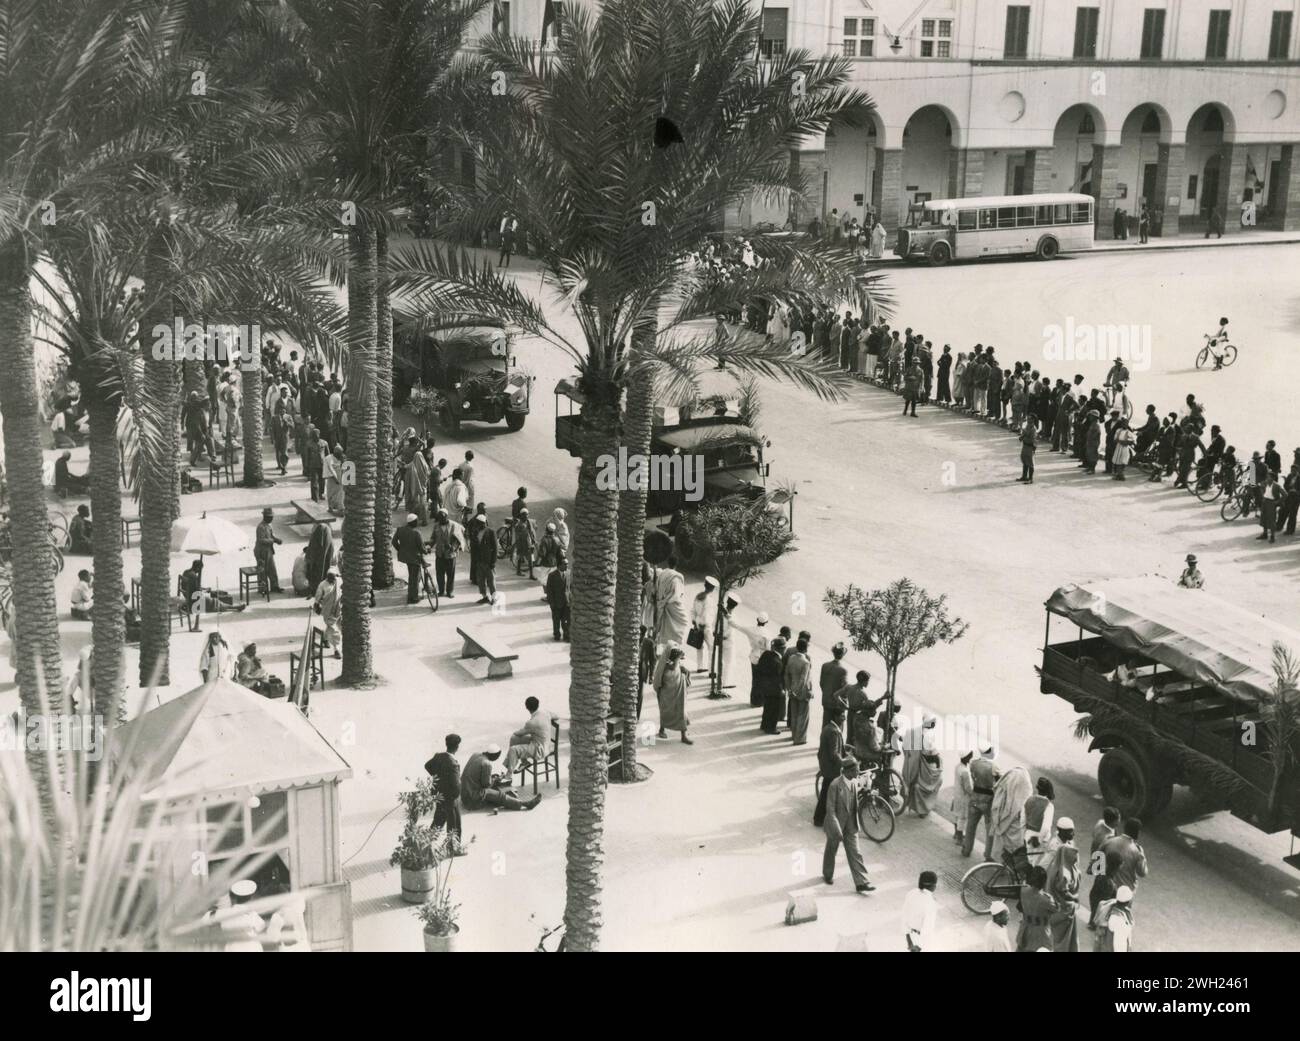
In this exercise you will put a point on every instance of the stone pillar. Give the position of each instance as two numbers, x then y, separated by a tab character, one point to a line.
1105	179
972	173
877	178
1232	182
891	211
1288	216
1171	180
811	166
956	172
1038	171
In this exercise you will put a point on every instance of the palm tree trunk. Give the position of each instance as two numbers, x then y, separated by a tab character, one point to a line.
250	374
594	572
108	628
359	518
158	484
36	620
382	573
637	427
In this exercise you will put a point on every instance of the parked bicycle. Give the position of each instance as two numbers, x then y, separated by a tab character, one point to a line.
992	880
875	815
1241	503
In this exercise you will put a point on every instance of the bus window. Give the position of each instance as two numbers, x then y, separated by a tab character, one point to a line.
1082	213
966	220
1006	217
1062	213
1044	216
1024	216
988	218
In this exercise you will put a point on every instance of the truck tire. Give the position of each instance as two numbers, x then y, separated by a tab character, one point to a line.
1129	783
515	420
1048	248
940	254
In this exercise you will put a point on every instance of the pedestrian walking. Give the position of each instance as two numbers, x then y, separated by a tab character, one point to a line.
1028	447
467	475
912	387
984	774
961	793
1036	909
268	579
1133	859
919	913
841	827
701	634
329	605
485	560
671	681
1063	881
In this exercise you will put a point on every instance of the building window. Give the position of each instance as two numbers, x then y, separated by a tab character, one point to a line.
1017	39
1153	32
1085	32
1216	39
859	37
1279	36
552	22
936	37
775	20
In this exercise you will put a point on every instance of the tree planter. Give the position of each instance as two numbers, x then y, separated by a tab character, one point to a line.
418	886
441	942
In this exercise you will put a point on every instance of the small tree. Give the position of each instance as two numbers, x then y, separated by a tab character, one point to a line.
424	403
896	623
1282	719
734	540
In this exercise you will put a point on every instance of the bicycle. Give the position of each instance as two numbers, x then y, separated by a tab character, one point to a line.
430	587
1209	485
1125	406
560	946
1241	503
505	539
992	880
875	816
1221	361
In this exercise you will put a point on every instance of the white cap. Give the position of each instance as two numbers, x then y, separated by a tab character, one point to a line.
1124	894
762	618
997	907
1065	824
711	581
411	518
493	750
732	598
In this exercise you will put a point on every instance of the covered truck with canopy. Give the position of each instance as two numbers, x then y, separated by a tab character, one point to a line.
1179	687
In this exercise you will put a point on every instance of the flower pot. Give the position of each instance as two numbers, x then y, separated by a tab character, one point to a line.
441	942
417	886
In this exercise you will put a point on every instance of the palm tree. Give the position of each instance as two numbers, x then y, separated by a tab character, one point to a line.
569	150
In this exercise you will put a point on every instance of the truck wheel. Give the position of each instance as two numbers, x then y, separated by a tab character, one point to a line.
515	420
1126	782
940	254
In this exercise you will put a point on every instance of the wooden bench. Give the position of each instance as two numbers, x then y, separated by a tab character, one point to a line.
313	512
480	645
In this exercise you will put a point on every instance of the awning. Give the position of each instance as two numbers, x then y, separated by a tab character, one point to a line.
1220	645
210	743
709	436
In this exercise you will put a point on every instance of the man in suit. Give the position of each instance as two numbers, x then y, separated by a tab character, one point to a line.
445	769
410	551
841	826
830	759
833	681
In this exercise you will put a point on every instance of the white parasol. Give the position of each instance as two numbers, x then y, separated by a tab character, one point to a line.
214	537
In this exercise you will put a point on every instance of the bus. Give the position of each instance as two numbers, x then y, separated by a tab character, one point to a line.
996	226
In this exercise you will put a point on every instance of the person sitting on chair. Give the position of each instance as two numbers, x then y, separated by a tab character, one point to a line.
479	787
191	594
131	617
65	481
530	742
249	670
83	596
80	532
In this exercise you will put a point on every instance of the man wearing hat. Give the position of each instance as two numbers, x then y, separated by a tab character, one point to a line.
702	611
329	605
445	770
479	787
1191	577
758	643
410	551
841	826
264	554
1115	932
997	938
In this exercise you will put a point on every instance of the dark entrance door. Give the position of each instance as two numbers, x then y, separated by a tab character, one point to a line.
1210	185
1149	173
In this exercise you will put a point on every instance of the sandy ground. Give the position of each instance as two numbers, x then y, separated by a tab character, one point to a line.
704	856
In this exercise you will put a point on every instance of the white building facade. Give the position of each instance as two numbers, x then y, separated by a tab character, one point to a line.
1186	105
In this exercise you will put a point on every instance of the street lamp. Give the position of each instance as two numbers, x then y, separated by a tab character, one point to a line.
895	44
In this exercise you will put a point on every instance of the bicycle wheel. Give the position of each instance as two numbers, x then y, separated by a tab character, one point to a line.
1202	357
891	787
1208	490
976	883
430	591
1231	509
1229	355
505	539
58	559
875	818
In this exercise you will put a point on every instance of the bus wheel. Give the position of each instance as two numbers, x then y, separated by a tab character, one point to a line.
1126	783
940	254
1048	248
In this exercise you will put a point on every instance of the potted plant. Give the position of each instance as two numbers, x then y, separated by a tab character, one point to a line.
439	914
420	848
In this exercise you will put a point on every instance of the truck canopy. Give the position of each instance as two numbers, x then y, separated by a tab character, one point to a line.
1189	631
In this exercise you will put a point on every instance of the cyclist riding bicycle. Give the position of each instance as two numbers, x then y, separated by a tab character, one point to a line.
1118	375
1218	339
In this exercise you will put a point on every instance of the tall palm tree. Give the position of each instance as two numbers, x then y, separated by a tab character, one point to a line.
569	151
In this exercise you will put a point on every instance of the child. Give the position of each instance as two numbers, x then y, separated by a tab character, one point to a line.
525	543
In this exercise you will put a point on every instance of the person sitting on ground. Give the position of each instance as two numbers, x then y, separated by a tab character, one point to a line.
83	596
531	741
1191	577
479	787
249	670
81	531
65	481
